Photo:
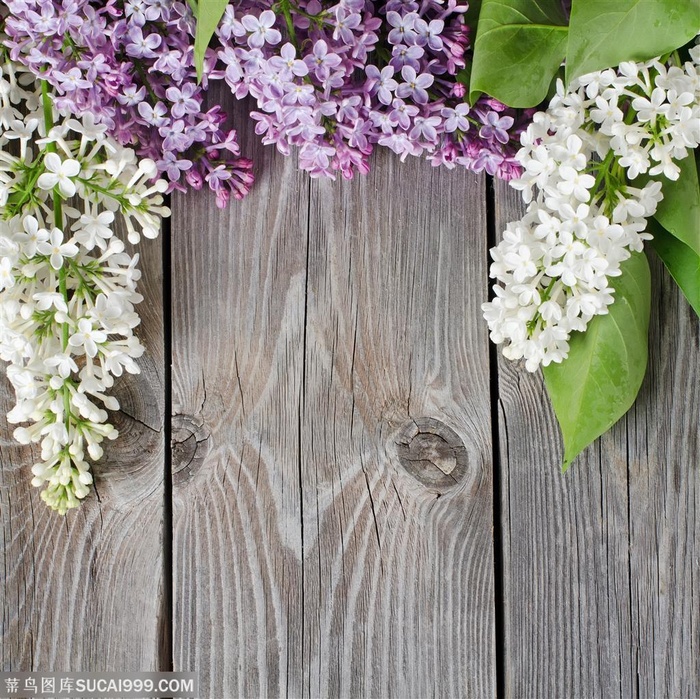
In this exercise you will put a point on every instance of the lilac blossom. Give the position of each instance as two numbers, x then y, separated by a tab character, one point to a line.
129	64
260	31
335	80
331	80
415	85
496	127
381	83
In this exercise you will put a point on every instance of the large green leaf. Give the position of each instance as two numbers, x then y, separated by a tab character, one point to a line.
209	14
599	380
519	46
682	262
603	33
679	210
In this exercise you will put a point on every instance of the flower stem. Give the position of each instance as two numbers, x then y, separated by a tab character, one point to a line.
287	12
603	170
57	204
146	81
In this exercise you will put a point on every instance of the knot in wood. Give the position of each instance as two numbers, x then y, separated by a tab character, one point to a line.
432	453
190	446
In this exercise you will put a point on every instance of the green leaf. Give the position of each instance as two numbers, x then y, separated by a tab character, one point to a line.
599	380
682	262
603	33
679	211
519	46
209	14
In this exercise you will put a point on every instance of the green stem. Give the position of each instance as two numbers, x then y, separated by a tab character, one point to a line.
146	81
96	188
286	11
48	108
604	167
62	287
319	19
14	206
57	210
84	283
532	324
630	116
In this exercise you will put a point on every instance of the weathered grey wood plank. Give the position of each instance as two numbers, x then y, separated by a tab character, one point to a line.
307	562
398	574
85	592
663	433
601	564
238	299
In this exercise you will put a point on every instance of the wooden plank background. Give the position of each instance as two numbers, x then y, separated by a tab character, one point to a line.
361	499
319	327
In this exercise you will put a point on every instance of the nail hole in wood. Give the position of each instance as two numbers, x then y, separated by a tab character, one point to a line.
432	453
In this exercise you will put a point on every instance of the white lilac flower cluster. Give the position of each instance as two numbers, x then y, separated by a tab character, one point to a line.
67	284
587	209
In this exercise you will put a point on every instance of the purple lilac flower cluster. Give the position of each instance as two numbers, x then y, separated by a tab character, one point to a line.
336	78
130	64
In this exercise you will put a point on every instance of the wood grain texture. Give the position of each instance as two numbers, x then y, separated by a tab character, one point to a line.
398	575
311	324
601	564
238	301
84	592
